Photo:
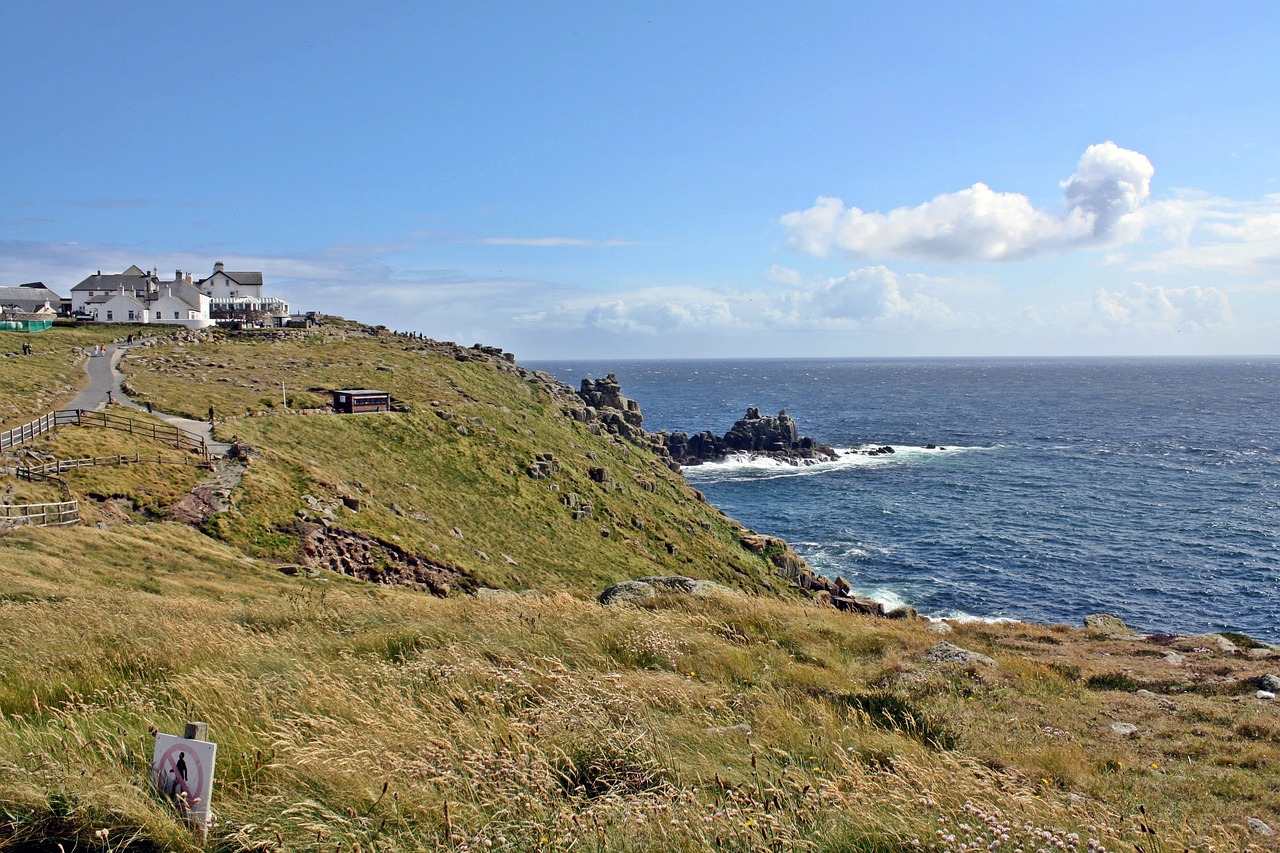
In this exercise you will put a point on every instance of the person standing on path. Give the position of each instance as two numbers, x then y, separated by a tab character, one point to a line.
211	416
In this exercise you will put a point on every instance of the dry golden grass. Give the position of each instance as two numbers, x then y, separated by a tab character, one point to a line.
392	720
352	716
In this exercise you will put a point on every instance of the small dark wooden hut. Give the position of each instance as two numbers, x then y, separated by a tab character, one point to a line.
354	401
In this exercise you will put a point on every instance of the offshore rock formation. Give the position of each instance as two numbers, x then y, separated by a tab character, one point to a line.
603	407
755	435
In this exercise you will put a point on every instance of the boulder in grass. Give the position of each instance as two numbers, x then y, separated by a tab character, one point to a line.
641	589
1106	623
945	652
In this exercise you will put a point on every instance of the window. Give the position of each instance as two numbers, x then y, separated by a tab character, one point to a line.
130	315
175	315
108	315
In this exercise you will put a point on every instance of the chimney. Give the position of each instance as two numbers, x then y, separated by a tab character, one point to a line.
177	275
217	267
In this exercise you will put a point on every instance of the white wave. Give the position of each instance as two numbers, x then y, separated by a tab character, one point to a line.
963	617
768	467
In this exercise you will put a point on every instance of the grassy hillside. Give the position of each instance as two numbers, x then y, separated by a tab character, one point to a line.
51	375
378	716
447	480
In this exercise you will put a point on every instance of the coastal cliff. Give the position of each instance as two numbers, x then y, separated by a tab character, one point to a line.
391	624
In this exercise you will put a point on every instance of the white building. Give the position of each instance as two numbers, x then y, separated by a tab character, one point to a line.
136	296
238	297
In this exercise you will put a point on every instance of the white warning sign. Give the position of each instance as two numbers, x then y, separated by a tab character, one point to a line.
182	770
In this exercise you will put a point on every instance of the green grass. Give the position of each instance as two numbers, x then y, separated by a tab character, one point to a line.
359	714
54	372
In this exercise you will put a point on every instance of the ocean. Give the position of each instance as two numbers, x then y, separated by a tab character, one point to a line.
1144	488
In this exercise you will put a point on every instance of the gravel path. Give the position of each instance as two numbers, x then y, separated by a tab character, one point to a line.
104	382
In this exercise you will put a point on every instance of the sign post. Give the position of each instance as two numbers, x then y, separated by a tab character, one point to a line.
182	770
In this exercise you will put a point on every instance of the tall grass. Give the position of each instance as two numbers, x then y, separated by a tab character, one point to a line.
393	720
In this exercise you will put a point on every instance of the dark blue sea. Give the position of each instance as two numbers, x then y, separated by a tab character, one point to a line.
1144	488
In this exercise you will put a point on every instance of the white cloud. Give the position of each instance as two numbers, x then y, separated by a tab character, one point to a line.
872	296
1103	204
1105	195
785	275
661	310
1216	234
1159	308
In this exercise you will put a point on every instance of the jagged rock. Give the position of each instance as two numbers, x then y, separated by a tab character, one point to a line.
903	612
945	652
1270	683
858	604
775	437
939	628
1106	624
358	555
640	589
1124	729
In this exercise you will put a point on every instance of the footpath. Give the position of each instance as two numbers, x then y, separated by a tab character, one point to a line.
104	386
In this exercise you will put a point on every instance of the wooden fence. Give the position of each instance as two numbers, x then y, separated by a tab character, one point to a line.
28	432
41	515
68	512
167	433
60	466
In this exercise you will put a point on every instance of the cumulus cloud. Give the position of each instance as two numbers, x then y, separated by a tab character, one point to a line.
662	310
1218	234
1102	205
869	296
873	297
1160	308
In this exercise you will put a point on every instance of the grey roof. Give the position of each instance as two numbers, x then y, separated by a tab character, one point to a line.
112	281
33	295
246	279
107	297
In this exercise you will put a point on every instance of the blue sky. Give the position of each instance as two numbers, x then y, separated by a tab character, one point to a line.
670	179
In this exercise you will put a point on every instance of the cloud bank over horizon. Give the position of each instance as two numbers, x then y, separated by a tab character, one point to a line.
1102	206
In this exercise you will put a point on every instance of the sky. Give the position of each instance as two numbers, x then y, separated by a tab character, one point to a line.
683	179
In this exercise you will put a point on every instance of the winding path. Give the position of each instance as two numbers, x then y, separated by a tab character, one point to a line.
104	380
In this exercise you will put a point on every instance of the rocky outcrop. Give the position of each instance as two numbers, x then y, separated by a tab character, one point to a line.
605	405
945	653
1106	624
755	435
357	555
641	589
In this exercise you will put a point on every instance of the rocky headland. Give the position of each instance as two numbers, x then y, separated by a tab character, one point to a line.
754	435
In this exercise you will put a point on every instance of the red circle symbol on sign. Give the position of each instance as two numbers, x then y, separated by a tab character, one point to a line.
169	769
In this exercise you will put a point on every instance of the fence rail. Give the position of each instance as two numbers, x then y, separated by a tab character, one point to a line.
29	432
41	515
167	433
60	466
